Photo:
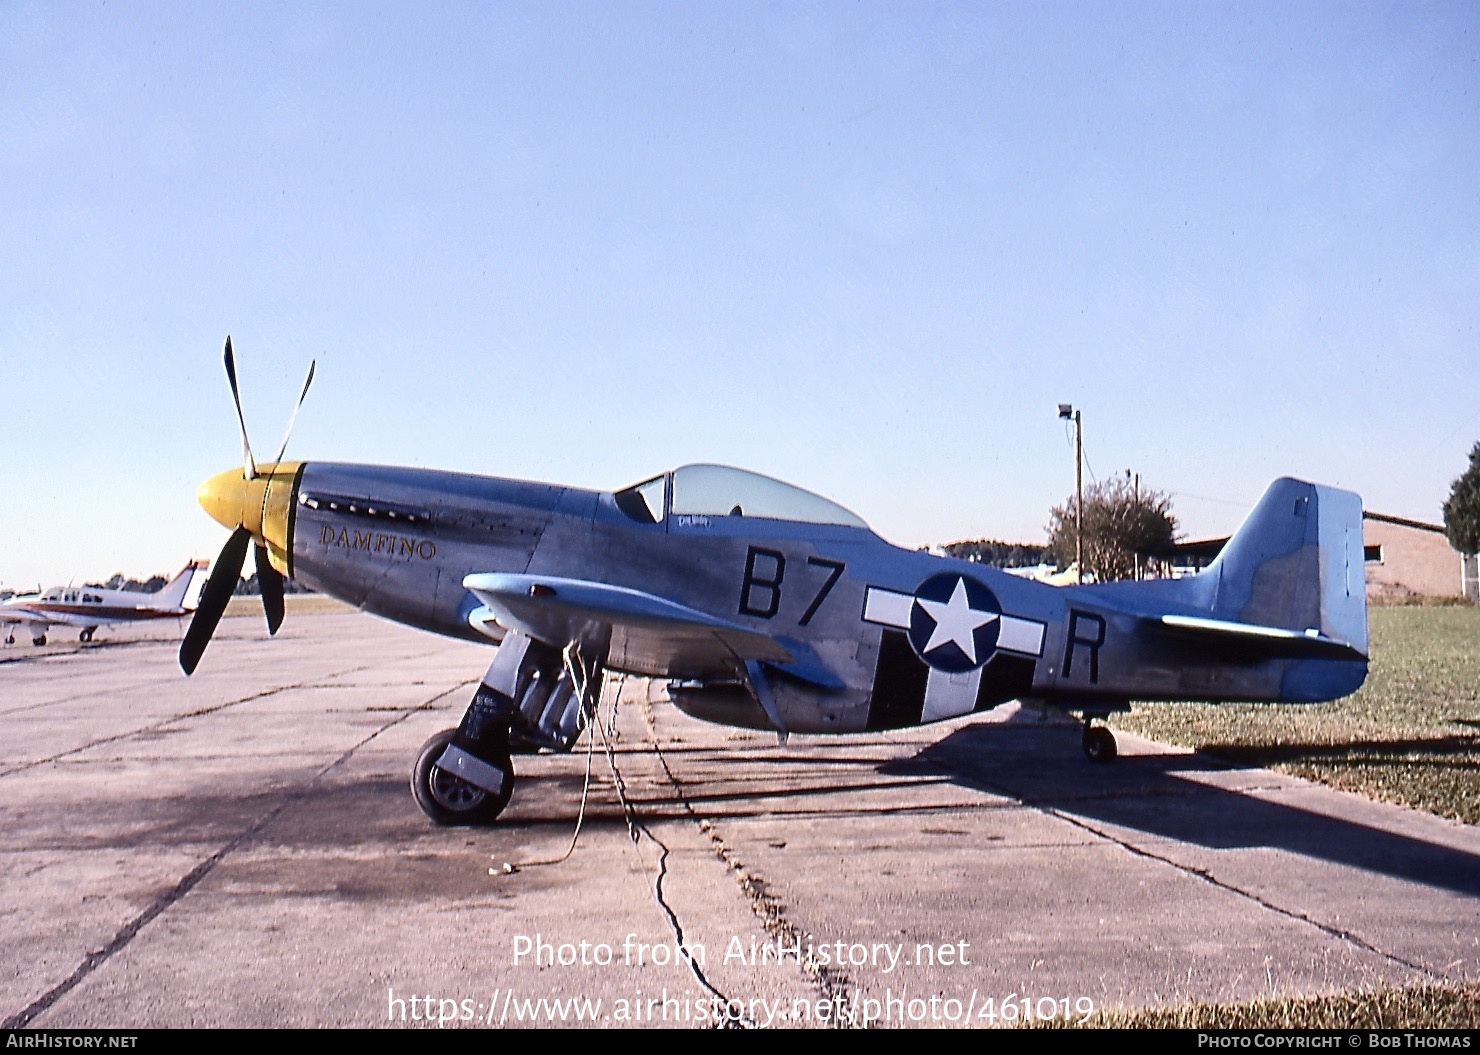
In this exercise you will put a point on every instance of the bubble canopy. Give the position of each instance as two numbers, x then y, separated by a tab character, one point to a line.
721	490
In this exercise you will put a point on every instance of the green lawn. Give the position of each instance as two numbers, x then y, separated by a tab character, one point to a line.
1415	1007
1410	735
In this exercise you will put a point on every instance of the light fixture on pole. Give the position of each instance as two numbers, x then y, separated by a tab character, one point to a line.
1068	413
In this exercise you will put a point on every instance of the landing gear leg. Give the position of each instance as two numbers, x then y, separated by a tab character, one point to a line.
465	775
1098	742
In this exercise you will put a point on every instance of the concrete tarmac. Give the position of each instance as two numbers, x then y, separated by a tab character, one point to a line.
240	848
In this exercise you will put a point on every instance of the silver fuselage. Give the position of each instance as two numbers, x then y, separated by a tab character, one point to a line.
399	542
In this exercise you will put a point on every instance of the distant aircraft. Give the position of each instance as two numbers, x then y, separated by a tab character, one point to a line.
769	607
89	607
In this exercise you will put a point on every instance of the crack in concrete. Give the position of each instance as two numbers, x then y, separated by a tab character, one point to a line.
70	650
832	986
199	712
1206	876
156	684
95	959
636	828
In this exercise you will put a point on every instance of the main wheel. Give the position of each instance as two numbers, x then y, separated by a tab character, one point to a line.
39	640
1098	743
448	799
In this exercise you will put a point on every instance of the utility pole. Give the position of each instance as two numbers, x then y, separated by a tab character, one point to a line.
1136	554
1068	413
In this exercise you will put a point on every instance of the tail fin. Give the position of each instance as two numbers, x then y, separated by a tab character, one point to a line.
173	594
1297	564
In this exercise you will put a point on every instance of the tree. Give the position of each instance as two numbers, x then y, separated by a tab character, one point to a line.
1117	527
1462	511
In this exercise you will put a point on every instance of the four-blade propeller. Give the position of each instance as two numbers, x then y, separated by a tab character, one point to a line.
241	497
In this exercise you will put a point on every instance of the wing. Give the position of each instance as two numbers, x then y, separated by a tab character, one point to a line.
18	614
644	633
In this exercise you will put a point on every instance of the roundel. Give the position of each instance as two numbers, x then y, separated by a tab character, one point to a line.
954	622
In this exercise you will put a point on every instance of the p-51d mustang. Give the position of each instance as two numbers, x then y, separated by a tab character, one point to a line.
769	607
89	607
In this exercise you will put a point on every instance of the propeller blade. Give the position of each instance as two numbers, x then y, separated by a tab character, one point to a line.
294	416
225	574
270	580
248	464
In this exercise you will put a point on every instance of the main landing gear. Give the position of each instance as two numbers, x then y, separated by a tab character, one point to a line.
39	640
87	634
1098	742
465	775
533	696
446	797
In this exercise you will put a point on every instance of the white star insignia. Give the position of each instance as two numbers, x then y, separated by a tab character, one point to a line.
955	621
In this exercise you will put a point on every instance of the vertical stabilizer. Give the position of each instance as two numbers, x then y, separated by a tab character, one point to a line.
173	594
1297	563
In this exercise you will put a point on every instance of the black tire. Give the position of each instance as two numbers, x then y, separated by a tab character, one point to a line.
449	800
1099	744
39	640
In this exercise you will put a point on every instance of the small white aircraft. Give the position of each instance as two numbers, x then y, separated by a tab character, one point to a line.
90	607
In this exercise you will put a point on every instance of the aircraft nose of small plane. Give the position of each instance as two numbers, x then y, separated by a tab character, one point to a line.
223	496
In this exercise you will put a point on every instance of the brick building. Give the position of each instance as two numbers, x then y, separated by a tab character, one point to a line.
1408	559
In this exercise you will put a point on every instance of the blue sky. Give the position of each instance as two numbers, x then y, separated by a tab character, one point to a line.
866	248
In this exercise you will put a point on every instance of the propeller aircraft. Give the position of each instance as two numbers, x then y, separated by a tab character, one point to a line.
91	607
769	607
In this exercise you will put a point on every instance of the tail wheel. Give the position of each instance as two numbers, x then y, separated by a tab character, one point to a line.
1099	744
449	799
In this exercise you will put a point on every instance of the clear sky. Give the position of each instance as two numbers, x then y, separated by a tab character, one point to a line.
863	247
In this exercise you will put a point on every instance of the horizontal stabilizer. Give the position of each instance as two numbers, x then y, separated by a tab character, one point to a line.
1310	642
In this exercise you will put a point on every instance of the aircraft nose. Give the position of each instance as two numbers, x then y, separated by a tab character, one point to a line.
223	496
